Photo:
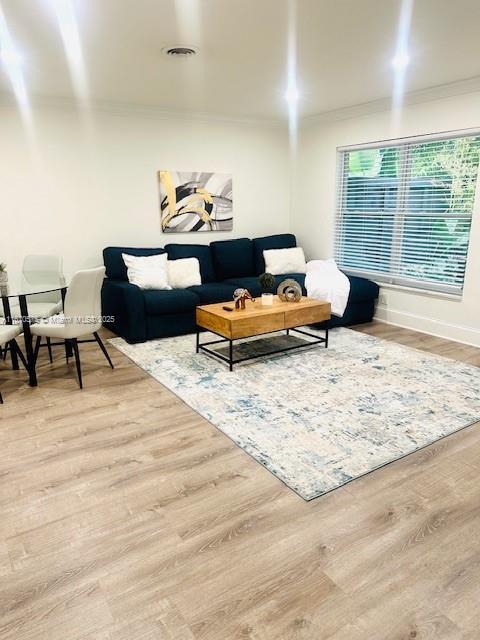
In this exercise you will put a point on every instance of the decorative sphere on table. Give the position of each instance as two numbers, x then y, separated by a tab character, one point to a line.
289	291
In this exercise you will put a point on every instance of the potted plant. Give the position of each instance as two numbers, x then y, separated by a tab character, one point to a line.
3	273
267	282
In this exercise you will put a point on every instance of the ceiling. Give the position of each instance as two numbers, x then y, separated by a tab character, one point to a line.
344	51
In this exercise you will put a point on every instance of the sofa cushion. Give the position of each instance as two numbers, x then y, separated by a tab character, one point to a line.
166	302
233	258
114	264
362	290
175	324
214	292
251	283
279	241
200	251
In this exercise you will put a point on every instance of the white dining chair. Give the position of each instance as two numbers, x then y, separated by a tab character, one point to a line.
41	305
8	333
82	316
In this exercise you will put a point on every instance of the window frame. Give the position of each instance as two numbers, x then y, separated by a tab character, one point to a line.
392	278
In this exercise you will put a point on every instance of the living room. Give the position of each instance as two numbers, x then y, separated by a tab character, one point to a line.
240	324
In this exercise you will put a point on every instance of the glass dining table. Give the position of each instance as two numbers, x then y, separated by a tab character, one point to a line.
20	286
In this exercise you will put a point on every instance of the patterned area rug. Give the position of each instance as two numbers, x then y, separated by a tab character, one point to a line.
319	418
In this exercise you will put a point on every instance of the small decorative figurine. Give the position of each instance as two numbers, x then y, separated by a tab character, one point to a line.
289	291
239	296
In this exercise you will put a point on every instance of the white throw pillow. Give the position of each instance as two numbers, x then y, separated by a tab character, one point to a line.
280	261
183	273
147	272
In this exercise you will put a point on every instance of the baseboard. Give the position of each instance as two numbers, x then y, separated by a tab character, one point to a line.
423	324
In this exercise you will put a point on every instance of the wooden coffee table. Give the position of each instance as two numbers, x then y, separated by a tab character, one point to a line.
257	319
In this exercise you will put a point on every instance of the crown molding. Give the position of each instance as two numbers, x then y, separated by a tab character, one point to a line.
141	111
460	87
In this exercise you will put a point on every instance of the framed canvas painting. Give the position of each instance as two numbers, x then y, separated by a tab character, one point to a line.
195	201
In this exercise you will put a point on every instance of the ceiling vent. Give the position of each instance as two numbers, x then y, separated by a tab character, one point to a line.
179	52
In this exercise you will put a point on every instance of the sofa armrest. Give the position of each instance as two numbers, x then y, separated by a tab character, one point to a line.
123	308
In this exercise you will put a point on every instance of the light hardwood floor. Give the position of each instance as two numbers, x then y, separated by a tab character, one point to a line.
126	516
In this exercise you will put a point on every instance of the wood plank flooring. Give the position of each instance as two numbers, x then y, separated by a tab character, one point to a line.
126	516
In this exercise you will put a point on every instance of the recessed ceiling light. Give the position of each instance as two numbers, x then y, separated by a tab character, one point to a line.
12	62
401	61
180	51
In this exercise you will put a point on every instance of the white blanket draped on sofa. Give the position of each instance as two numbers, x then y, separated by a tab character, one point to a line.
324	281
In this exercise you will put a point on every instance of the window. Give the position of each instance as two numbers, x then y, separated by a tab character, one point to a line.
405	210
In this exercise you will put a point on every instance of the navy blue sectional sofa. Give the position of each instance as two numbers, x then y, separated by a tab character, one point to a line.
139	315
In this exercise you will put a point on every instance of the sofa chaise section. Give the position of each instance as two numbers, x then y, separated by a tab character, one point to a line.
361	303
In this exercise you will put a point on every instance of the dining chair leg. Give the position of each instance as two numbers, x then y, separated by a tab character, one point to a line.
7	314
67	350
14	348
102	347
37	349
19	353
77	361
49	347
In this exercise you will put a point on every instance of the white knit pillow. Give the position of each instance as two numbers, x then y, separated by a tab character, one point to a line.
280	261
147	272
183	273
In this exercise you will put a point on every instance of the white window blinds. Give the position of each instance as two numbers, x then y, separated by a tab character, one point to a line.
405	210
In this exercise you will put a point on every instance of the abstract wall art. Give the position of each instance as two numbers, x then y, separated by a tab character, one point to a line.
195	201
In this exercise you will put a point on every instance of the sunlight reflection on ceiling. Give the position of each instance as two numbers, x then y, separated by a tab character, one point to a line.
400	63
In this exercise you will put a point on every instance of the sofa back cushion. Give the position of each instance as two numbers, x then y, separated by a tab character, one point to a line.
114	264
200	251
233	258
279	241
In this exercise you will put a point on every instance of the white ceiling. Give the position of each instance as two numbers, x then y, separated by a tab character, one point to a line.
344	51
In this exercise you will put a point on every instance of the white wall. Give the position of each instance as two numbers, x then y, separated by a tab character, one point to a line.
313	212
80	192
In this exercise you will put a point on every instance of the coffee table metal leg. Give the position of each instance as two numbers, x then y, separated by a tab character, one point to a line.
230	354
197	344
326	338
